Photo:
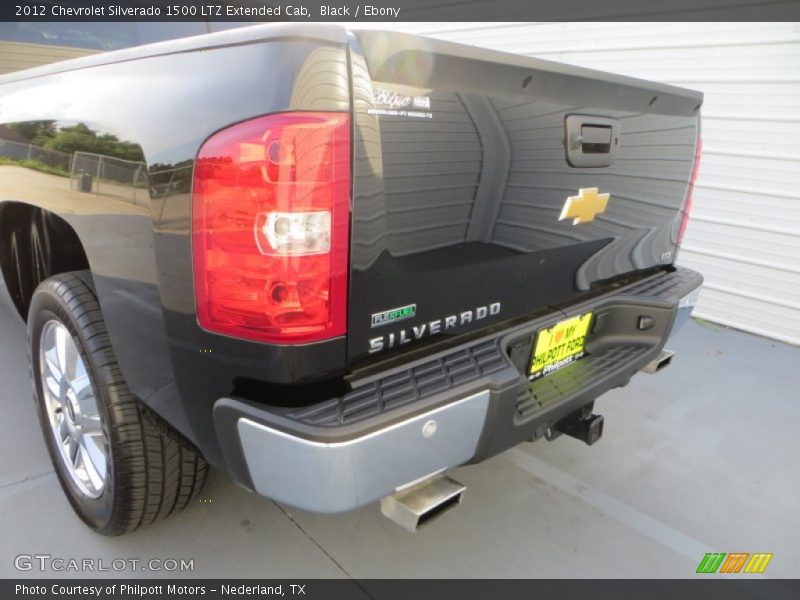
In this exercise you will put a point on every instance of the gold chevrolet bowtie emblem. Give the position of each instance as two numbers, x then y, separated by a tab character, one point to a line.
584	207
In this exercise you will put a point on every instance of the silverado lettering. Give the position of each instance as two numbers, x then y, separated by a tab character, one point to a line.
417	332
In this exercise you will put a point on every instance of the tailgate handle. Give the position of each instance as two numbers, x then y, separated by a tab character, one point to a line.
595	139
591	141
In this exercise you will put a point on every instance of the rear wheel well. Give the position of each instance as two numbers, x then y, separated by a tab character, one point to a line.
35	244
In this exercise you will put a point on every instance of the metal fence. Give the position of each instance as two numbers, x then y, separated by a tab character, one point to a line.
51	158
110	176
174	180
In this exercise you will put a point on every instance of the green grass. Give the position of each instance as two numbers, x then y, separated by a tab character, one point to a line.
709	325
36	165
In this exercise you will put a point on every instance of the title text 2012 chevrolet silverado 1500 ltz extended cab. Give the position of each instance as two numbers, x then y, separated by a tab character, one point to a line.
335	264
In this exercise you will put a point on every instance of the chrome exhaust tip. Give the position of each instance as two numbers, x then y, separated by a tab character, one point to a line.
663	360
418	505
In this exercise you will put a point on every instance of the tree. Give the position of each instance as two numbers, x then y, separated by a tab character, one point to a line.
37	133
81	138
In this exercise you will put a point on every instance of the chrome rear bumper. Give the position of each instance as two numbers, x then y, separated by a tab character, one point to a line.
339	476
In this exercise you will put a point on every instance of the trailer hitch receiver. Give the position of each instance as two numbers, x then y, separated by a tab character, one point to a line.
585	427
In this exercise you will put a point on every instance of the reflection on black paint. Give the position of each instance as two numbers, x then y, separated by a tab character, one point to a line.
463	208
155	113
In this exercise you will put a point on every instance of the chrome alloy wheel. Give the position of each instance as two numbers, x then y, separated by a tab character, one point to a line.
72	409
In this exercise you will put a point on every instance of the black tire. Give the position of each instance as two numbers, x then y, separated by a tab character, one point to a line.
152	470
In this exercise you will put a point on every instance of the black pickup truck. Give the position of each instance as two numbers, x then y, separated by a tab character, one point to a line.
333	263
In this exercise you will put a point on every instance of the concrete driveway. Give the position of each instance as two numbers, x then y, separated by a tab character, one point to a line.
701	457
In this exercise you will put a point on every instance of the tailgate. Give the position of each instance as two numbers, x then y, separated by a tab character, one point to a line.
490	186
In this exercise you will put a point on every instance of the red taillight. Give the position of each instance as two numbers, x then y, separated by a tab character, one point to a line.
270	228
687	205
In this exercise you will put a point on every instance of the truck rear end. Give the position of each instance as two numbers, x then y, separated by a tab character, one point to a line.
494	236
361	259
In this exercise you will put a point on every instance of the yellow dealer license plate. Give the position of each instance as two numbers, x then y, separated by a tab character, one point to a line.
560	345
